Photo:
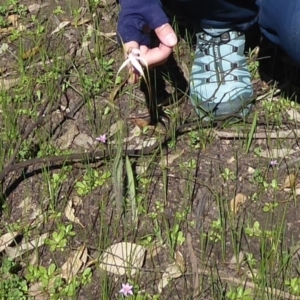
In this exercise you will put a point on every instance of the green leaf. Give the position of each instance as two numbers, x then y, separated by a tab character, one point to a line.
131	190
118	80
175	228
79	184
55	236
43	271
111	61
106	111
51	269
118	172
63	243
61	235
251	133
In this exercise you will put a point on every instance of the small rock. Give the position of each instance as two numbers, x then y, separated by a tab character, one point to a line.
84	141
66	140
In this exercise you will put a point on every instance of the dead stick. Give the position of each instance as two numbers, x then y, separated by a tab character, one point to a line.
282	134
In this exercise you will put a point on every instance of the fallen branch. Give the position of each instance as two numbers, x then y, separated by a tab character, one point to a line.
95	156
282	134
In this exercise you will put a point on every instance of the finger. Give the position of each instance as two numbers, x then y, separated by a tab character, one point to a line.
166	35
127	47
155	56
144	50
160	54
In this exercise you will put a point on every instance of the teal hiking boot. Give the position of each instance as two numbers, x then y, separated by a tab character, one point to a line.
220	82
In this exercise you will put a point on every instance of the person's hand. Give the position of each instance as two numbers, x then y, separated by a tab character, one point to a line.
136	19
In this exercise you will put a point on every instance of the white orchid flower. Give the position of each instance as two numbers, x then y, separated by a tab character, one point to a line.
134	60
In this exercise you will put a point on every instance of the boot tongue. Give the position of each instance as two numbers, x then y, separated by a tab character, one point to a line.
215	32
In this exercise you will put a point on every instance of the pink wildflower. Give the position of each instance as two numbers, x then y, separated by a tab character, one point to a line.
126	289
102	138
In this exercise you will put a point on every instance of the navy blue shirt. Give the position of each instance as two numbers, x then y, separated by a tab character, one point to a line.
135	14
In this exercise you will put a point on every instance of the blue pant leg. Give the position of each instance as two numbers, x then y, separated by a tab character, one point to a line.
279	21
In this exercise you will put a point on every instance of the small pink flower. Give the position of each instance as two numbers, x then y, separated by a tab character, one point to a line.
273	163
102	138
126	289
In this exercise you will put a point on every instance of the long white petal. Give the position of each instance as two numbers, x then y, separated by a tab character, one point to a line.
126	62
135	51
137	65
143	60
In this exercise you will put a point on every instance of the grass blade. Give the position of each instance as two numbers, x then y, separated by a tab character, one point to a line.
251	133
131	190
118	173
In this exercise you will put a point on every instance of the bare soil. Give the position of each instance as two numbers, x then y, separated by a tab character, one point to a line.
202	188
